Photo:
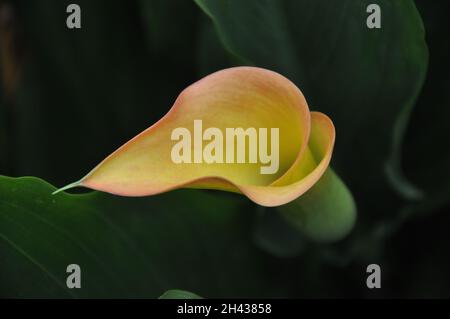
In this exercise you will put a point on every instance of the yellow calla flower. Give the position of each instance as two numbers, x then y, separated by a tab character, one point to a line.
201	131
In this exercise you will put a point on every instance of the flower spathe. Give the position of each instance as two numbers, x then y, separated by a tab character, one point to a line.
235	97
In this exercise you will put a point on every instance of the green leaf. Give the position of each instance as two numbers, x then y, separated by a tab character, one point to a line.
179	294
108	80
163	34
127	247
366	80
276	235
211	55
3	136
425	152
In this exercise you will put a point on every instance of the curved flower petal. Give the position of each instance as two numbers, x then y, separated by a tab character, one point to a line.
241	97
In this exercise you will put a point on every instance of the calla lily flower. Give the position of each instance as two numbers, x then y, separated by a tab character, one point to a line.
241	97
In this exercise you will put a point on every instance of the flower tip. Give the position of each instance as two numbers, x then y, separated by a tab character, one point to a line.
69	186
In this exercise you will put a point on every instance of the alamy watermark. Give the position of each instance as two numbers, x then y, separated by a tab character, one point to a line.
374	279
73	20
74	279
222	146
374	19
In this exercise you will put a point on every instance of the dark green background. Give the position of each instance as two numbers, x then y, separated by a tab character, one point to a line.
76	95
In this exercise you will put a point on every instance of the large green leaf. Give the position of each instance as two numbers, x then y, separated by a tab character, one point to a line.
367	80
138	247
426	154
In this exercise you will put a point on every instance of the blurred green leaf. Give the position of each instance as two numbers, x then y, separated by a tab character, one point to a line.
366	80
105	82
425	152
179	294
163	34
277	236
211	55
3	136
127	247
